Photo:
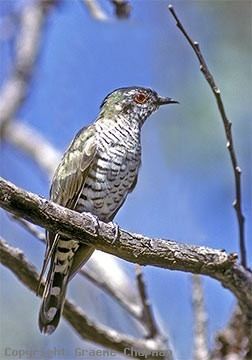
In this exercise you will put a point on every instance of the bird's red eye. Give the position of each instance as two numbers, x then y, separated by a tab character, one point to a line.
140	98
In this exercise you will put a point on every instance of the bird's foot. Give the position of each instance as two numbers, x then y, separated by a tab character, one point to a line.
116	230
94	231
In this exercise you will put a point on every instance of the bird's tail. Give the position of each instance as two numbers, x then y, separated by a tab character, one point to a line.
53	299
56	283
67	258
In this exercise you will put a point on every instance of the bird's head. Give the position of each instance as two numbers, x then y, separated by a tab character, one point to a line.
133	102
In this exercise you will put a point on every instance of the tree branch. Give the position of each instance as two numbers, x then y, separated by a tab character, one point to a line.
87	329
132	247
228	132
147	314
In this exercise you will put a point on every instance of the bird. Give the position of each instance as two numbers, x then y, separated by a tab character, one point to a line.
95	175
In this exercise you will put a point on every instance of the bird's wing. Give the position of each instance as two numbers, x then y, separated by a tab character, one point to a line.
69	179
70	175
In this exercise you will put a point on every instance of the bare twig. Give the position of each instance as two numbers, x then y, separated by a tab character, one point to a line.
122	8
86	328
147	314
14	91
132	247
228	132
200	320
95	10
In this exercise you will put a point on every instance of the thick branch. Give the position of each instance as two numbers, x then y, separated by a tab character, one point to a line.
132	247
228	132
87	329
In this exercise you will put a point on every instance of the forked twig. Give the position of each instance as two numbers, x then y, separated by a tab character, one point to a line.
228	132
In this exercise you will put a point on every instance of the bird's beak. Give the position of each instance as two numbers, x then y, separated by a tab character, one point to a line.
166	100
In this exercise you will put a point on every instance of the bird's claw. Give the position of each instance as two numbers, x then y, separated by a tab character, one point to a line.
94	232
97	225
116	230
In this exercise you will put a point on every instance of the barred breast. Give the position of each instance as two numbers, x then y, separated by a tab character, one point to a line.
112	174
